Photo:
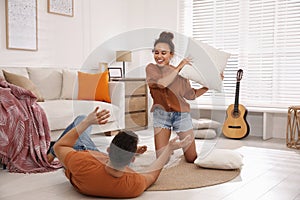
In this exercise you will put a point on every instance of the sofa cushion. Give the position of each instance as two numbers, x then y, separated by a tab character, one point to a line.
69	84
93	86
23	82
60	113
16	70
48	81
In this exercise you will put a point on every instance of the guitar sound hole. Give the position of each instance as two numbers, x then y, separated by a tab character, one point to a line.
235	114
235	127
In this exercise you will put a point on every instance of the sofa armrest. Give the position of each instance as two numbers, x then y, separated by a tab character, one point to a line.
117	95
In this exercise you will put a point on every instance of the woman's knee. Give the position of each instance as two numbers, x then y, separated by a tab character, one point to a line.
190	158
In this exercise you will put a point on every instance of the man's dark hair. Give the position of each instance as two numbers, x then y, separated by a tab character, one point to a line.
123	148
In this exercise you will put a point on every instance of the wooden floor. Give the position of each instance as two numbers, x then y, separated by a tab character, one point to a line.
271	171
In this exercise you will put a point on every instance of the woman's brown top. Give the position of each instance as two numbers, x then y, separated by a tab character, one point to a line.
170	98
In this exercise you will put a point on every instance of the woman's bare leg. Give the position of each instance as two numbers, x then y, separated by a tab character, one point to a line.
161	139
190	153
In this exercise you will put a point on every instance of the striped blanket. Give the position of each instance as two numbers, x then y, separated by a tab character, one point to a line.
24	131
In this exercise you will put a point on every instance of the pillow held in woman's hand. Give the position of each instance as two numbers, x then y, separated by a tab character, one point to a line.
207	64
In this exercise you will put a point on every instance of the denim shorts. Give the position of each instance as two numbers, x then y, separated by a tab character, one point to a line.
178	121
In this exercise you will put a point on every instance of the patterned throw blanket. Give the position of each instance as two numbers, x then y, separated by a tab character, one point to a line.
24	131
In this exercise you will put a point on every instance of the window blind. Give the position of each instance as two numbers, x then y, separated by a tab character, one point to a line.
263	38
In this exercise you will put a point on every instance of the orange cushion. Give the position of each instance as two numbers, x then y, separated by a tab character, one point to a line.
93	86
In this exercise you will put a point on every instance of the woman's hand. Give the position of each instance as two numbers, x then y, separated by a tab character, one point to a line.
222	75
96	117
185	61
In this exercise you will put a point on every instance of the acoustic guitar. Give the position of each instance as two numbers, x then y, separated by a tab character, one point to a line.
236	125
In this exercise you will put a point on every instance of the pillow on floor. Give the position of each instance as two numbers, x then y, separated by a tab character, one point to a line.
220	159
23	82
205	133
204	123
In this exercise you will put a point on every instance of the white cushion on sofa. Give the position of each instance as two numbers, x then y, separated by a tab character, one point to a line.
48	81
208	64
69	83
60	113
84	107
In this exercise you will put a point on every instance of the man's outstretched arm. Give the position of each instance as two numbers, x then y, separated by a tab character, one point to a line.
153	171
65	144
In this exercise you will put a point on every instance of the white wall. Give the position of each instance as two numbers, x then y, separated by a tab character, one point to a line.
119	16
67	41
60	40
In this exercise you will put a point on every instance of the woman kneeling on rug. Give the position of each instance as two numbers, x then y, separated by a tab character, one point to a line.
169	91
95	173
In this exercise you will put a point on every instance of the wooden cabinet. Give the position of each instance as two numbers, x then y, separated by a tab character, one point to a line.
136	103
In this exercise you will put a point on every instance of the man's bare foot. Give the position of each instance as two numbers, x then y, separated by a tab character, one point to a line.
141	149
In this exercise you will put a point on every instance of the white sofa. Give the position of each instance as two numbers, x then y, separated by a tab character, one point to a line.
58	87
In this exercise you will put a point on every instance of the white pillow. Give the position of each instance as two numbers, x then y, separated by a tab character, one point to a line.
208	64
220	159
205	133
47	80
205	123
69	83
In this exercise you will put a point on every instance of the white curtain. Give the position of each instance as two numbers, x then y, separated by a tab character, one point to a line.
263	38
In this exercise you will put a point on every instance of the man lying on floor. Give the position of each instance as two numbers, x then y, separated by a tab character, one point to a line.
95	173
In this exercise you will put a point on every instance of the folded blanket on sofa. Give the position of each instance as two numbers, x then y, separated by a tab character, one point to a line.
24	131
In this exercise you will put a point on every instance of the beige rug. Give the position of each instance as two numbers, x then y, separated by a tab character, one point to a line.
187	176
180	175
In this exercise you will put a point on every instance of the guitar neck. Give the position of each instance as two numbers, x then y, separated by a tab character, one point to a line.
236	101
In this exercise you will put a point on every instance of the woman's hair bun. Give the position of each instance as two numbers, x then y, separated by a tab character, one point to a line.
166	36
